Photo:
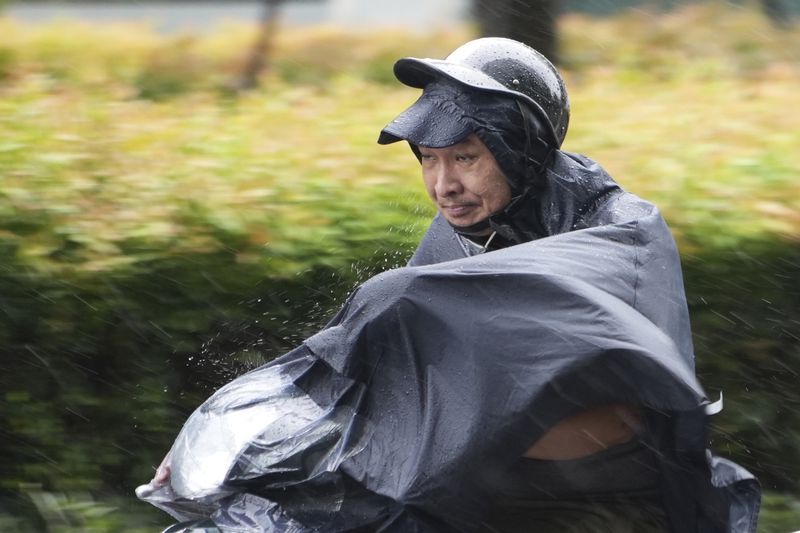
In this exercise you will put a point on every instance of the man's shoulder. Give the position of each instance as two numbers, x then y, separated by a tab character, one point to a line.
440	243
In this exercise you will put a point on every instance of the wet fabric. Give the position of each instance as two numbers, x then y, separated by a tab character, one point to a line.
620	515
628	469
615	490
409	410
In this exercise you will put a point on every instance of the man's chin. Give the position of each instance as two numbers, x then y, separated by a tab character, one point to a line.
477	228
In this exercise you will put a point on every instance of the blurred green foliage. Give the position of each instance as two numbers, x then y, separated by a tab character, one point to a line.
160	235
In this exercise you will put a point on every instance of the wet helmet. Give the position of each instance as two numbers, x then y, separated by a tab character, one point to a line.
499	65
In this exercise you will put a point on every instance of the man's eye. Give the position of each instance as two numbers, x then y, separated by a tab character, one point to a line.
465	157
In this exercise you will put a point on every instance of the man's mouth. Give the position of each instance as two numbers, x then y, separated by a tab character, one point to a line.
458	210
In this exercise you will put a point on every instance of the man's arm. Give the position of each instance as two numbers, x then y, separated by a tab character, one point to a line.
588	432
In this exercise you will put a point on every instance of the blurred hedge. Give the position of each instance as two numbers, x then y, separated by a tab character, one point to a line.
159	235
152	251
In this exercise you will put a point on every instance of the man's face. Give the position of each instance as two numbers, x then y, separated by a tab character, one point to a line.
464	181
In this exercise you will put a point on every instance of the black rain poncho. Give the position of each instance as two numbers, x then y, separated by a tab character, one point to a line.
405	411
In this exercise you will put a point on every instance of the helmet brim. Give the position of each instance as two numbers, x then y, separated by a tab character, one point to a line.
418	73
427	123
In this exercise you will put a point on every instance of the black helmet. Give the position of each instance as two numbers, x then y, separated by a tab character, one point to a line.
499	65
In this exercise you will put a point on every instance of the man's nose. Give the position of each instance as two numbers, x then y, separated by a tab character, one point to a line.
447	181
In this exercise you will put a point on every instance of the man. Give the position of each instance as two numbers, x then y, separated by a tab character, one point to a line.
531	370
471	191
487	131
